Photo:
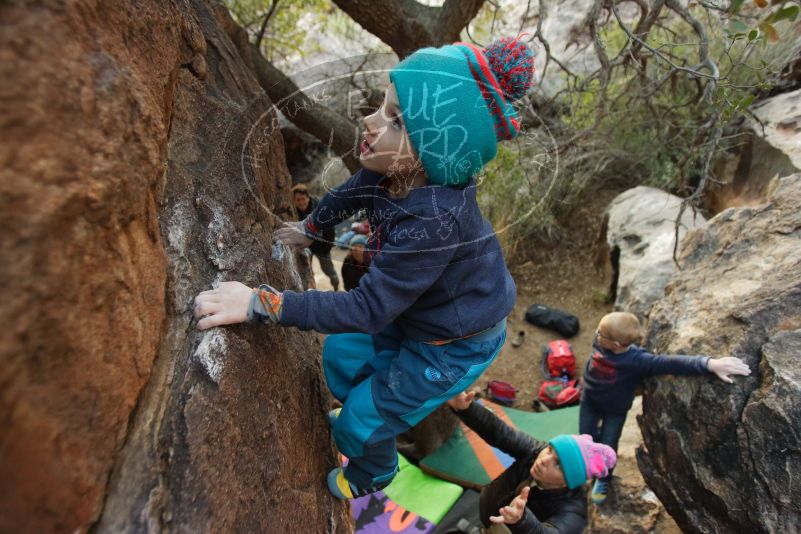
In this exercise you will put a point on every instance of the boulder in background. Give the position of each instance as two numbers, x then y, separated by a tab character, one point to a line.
727	457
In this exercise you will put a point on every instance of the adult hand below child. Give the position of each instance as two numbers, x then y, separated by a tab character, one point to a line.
227	304
462	400
728	366
292	234
514	512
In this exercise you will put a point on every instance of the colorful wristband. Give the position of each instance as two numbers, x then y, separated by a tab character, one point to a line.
265	305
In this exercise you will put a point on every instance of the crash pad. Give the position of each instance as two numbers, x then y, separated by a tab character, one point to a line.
413	503
469	461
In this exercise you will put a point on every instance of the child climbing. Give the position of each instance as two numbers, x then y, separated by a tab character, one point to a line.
613	372
543	490
429	315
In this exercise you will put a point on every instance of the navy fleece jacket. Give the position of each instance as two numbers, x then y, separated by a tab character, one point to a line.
436	268
610	379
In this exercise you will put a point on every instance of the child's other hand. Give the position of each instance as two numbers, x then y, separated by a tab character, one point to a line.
514	512
462	400
729	366
228	304
291	233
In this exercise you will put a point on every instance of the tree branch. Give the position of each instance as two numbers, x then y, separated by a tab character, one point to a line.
659	55
263	28
407	25
455	15
339	133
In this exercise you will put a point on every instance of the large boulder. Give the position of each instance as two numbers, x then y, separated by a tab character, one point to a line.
641	235
140	165
727	458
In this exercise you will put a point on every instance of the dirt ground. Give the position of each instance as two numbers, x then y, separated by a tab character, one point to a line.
567	275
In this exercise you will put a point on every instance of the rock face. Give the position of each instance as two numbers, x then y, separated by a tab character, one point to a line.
140	165
727	458
780	125
770	149
641	234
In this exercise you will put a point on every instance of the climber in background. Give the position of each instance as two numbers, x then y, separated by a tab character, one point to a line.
614	371
429	316
543	490
320	248
354	265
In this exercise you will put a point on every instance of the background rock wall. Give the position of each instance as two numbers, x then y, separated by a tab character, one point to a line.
727	458
139	166
641	235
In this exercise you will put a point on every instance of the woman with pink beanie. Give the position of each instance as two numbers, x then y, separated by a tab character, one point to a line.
542	491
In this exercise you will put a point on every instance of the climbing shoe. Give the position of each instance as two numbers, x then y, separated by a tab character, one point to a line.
339	486
333	415
599	491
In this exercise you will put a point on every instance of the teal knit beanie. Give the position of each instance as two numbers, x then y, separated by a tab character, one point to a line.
582	459
456	104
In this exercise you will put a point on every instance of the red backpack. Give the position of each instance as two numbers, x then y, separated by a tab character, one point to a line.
502	392
559	393
558	359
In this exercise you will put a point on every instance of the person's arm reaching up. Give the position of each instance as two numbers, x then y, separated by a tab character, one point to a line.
490	428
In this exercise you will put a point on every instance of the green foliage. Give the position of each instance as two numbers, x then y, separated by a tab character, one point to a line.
522	193
766	18
660	120
288	25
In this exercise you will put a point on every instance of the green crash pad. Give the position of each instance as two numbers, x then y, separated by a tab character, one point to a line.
426	496
469	461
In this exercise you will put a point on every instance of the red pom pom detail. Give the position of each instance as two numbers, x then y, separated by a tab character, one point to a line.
512	63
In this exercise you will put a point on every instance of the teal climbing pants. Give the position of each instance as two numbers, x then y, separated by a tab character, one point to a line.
389	383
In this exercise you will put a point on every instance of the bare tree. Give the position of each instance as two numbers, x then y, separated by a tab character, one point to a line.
404	25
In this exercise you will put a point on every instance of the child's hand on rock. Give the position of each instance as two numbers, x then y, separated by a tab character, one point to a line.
462	400
292	234
514	512
726	367
228	304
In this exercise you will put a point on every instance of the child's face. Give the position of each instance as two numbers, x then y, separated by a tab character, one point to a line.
603	339
547	471
386	147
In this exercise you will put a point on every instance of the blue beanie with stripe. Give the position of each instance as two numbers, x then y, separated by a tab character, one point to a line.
456	104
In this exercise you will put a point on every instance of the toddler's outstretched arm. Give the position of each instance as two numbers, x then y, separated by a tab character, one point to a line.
725	368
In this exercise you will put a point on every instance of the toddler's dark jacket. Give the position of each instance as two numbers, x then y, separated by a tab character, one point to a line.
610	379
436	267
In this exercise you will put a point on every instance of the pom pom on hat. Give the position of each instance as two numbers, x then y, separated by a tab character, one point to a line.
512	63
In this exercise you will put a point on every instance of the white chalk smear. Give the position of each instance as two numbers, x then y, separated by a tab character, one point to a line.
210	353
